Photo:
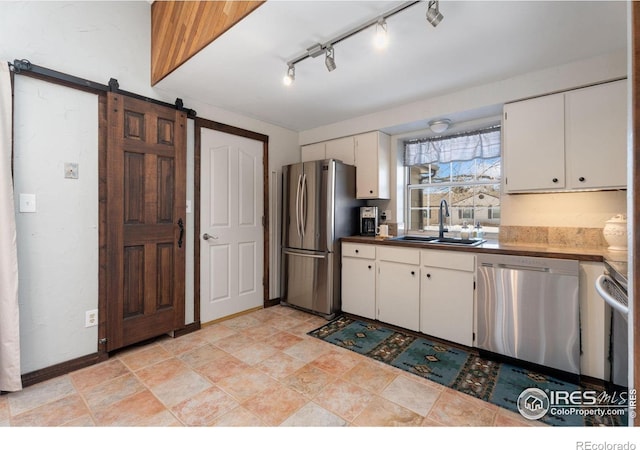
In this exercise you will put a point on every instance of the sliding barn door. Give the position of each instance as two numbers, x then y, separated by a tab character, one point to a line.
146	184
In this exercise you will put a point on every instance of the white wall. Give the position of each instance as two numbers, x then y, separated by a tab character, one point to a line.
58	245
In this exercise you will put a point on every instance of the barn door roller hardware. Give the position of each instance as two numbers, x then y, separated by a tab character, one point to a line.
25	67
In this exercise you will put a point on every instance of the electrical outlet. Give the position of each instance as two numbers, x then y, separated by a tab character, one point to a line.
71	170
91	318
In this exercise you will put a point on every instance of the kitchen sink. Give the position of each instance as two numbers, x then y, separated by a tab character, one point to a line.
441	241
460	241
416	238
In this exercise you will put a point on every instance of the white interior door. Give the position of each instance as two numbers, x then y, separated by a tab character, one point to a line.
231	241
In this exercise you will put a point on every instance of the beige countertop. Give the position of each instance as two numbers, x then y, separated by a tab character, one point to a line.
494	246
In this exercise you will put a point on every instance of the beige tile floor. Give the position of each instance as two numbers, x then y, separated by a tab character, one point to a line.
258	369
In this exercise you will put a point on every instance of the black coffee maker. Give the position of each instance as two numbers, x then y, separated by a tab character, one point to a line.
368	220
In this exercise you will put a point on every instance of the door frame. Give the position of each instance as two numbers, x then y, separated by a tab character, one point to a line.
201	123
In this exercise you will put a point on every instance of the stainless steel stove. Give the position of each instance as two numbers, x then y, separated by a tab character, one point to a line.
612	287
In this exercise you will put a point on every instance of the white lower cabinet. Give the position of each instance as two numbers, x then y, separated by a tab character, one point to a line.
429	291
398	286
359	280
446	295
399	294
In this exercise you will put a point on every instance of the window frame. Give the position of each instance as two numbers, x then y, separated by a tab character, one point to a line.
496	185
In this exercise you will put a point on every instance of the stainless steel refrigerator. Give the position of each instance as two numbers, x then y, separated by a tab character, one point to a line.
319	207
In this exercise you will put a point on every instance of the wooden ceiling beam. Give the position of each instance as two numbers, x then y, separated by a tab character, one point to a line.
180	29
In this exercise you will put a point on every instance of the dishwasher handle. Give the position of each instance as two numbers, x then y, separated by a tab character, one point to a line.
517	267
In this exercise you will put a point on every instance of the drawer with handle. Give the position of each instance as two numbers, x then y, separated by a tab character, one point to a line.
359	250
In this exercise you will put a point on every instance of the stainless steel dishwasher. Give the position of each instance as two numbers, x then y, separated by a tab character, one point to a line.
528	309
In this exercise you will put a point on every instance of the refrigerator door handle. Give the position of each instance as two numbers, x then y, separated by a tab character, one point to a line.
304	255
298	204
303	204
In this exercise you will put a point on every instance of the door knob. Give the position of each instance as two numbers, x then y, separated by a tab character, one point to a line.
206	237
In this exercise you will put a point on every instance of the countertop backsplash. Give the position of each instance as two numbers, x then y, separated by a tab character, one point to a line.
576	237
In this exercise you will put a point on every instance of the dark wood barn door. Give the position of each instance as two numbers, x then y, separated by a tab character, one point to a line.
145	214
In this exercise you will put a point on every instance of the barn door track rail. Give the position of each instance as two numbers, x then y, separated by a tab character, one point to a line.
25	67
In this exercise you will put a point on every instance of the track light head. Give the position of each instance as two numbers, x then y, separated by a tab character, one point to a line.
381	40
434	16
329	60
290	76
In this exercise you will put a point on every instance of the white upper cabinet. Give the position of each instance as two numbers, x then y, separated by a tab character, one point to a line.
341	149
533	149
369	152
568	141
596	139
372	165
313	152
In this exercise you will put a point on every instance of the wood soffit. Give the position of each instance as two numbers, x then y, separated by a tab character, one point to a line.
180	29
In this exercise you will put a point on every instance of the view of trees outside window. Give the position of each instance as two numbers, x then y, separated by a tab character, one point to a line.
471	188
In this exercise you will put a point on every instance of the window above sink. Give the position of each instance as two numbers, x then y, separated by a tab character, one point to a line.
465	170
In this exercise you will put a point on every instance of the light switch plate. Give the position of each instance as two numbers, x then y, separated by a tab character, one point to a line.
71	170
27	203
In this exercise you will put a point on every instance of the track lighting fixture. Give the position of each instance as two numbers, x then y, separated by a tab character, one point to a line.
329	59
434	16
290	76
381	39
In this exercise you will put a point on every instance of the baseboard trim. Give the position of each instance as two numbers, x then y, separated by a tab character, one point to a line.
194	326
38	376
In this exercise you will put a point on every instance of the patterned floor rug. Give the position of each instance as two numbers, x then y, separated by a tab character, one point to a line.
466	371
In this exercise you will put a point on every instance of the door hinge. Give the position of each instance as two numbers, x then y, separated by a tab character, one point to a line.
505	116
102	341
473	337
264	222
474	285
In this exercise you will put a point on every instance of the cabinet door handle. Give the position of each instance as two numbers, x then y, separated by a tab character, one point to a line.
555	180
412	272
370	192
369	267
581	179
357	250
428	275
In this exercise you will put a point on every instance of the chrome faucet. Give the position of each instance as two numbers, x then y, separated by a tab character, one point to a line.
441	228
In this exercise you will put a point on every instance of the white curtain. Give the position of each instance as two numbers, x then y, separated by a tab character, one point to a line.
9	319
463	147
